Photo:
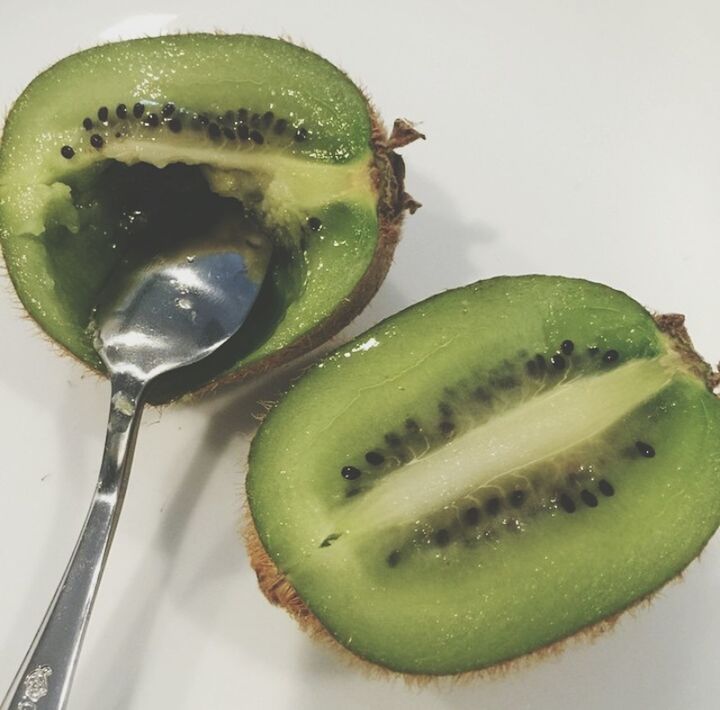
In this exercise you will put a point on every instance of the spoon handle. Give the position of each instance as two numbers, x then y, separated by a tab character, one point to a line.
43	681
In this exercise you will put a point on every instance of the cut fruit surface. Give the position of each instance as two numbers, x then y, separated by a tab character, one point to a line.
164	138
486	473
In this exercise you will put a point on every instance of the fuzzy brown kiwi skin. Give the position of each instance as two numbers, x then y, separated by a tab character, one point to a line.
278	590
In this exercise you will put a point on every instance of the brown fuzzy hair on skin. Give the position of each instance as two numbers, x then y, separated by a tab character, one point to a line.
278	590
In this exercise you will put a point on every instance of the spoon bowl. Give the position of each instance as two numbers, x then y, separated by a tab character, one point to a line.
179	307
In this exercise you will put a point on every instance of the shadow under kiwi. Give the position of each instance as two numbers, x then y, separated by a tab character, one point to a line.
647	660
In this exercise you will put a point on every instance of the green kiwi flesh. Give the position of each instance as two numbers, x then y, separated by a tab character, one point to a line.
162	138
486	473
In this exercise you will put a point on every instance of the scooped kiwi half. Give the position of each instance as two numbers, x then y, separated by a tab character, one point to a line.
159	139
486	473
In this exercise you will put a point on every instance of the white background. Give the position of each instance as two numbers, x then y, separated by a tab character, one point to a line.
580	138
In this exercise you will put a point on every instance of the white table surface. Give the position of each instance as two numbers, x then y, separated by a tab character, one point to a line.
580	138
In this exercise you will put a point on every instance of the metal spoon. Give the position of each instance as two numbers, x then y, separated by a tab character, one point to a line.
176	310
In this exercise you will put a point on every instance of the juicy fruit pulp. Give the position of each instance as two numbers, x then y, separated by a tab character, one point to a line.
169	137
485	473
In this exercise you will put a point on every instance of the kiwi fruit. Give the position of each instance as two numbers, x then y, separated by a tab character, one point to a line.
486	473
152	140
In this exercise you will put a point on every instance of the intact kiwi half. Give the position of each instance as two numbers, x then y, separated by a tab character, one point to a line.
154	140
486	473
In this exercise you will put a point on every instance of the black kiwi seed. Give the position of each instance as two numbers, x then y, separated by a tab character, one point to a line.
174	125
121	111
442	537
567	346
492	506
645	449
588	498
393	558
242	114
152	120
243	132
446	427
267	118
257	137
138	110
88	124
255	120
472	516
350	473
611	356
214	131
314	224
229	133
567	503
412	425
392	439
374	458
445	409
280	126
605	487
103	114
67	152
168	110
540	362
517	498
301	134
203	120
558	362
96	141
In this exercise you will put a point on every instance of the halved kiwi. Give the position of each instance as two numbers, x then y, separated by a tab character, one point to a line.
158	139
486	473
